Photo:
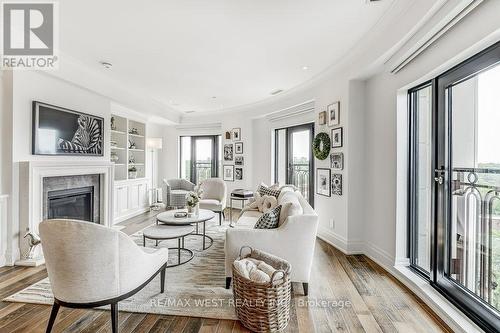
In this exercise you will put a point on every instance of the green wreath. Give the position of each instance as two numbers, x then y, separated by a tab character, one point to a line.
321	145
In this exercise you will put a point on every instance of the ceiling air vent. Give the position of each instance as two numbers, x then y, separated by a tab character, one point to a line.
276	92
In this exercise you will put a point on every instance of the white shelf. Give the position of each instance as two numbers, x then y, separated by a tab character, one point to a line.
123	138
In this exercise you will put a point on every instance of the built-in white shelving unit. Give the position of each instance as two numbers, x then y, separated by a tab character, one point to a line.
128	148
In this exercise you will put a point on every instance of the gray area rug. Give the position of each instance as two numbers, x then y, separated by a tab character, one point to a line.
195	289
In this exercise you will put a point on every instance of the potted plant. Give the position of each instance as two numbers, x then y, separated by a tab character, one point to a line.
193	200
132	172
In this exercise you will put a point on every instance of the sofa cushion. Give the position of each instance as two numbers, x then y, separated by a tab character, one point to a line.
211	204
290	205
269	220
264	190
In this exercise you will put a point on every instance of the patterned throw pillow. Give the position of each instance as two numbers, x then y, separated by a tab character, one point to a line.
264	190
269	220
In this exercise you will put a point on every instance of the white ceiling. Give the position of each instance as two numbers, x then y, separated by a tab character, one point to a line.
187	51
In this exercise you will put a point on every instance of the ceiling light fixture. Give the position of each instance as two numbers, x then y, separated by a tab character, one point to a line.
106	64
276	92
305	68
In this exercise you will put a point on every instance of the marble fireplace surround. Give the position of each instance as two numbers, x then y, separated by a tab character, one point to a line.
31	191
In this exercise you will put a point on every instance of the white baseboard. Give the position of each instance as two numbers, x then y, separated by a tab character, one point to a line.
130	215
340	242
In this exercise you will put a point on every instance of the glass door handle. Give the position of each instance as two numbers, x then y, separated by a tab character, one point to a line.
439	178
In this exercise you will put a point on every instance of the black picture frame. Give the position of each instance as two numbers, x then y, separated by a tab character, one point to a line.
228	178
337	184
326	182
228	152
238	148
238	173
55	131
339	131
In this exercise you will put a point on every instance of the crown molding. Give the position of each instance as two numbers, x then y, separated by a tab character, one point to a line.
292	111
428	32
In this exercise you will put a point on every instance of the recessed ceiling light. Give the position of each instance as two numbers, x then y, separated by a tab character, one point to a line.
276	92
191	111
305	68
106	64
214	97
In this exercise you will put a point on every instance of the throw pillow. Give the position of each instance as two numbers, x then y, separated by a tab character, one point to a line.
269	220
290	205
264	190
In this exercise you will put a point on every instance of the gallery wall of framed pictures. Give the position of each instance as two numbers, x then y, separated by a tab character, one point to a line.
233	152
329	180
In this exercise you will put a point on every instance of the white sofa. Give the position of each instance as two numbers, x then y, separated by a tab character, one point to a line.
293	240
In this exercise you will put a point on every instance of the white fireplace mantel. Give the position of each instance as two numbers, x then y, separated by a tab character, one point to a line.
31	175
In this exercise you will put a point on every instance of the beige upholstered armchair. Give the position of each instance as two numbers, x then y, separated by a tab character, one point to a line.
90	265
175	190
214	196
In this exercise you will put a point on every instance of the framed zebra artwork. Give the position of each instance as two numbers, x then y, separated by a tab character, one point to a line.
60	131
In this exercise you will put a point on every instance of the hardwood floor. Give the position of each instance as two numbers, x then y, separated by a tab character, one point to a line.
347	293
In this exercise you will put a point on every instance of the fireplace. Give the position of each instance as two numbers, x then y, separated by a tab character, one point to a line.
77	204
72	197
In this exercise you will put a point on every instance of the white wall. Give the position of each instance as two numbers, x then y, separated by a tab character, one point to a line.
380	121
19	90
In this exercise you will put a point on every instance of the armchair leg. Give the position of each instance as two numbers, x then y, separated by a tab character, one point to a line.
228	282
306	288
220	218
162	279
114	317
52	319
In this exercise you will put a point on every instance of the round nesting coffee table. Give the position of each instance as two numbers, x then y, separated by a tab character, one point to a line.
203	216
164	232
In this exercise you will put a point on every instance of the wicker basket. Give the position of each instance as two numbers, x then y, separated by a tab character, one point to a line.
264	306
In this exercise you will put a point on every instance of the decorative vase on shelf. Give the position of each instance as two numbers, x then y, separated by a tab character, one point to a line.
114	157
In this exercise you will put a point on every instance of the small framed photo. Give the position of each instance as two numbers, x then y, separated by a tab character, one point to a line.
238	173
337	137
323	179
236	134
228	135
228	173
238	147
239	160
228	152
337	161
333	111
337	184
322	118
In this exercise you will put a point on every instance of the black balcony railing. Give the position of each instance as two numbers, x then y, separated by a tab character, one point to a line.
475	231
203	170
300	178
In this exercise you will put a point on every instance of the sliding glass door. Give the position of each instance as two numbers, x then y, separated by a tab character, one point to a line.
294	160
199	157
454	196
468	190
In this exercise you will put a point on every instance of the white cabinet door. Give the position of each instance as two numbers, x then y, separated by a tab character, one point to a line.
143	195
121	199
133	196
